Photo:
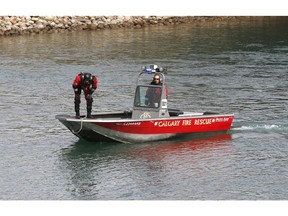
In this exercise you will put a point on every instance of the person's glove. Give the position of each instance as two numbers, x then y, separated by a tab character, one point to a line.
92	90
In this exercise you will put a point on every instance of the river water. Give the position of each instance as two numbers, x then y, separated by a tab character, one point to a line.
226	67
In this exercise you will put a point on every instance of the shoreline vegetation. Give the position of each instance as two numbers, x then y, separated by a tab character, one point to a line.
31	25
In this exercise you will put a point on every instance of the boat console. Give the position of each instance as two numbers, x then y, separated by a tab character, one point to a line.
150	100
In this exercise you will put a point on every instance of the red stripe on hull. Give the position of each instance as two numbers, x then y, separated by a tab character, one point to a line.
177	125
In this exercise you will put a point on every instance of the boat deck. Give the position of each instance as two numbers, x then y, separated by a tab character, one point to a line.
128	115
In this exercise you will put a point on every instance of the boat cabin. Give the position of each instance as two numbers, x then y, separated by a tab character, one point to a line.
150	100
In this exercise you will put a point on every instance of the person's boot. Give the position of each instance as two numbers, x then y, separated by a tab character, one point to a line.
89	105
77	115
89	109
77	105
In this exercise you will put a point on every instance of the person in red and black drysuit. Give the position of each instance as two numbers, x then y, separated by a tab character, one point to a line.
88	83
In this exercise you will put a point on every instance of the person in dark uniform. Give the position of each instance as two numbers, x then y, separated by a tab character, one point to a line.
153	95
88	83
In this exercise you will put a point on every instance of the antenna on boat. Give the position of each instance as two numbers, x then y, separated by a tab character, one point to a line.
165	70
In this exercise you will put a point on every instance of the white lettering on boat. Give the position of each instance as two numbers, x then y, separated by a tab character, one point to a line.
203	121
131	123
175	123
186	122
222	119
167	123
145	115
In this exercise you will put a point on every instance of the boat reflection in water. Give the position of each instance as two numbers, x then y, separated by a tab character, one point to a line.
190	145
83	148
121	171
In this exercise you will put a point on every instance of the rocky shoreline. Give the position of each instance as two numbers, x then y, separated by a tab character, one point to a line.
30	25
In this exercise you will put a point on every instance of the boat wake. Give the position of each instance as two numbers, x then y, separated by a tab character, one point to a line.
261	127
255	127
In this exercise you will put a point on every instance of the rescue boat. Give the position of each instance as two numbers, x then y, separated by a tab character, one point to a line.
146	121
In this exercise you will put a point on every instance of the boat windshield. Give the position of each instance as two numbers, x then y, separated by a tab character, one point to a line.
148	96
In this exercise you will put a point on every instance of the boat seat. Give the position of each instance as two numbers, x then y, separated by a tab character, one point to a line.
175	112
210	113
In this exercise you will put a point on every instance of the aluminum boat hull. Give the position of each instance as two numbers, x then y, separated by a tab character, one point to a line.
120	127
